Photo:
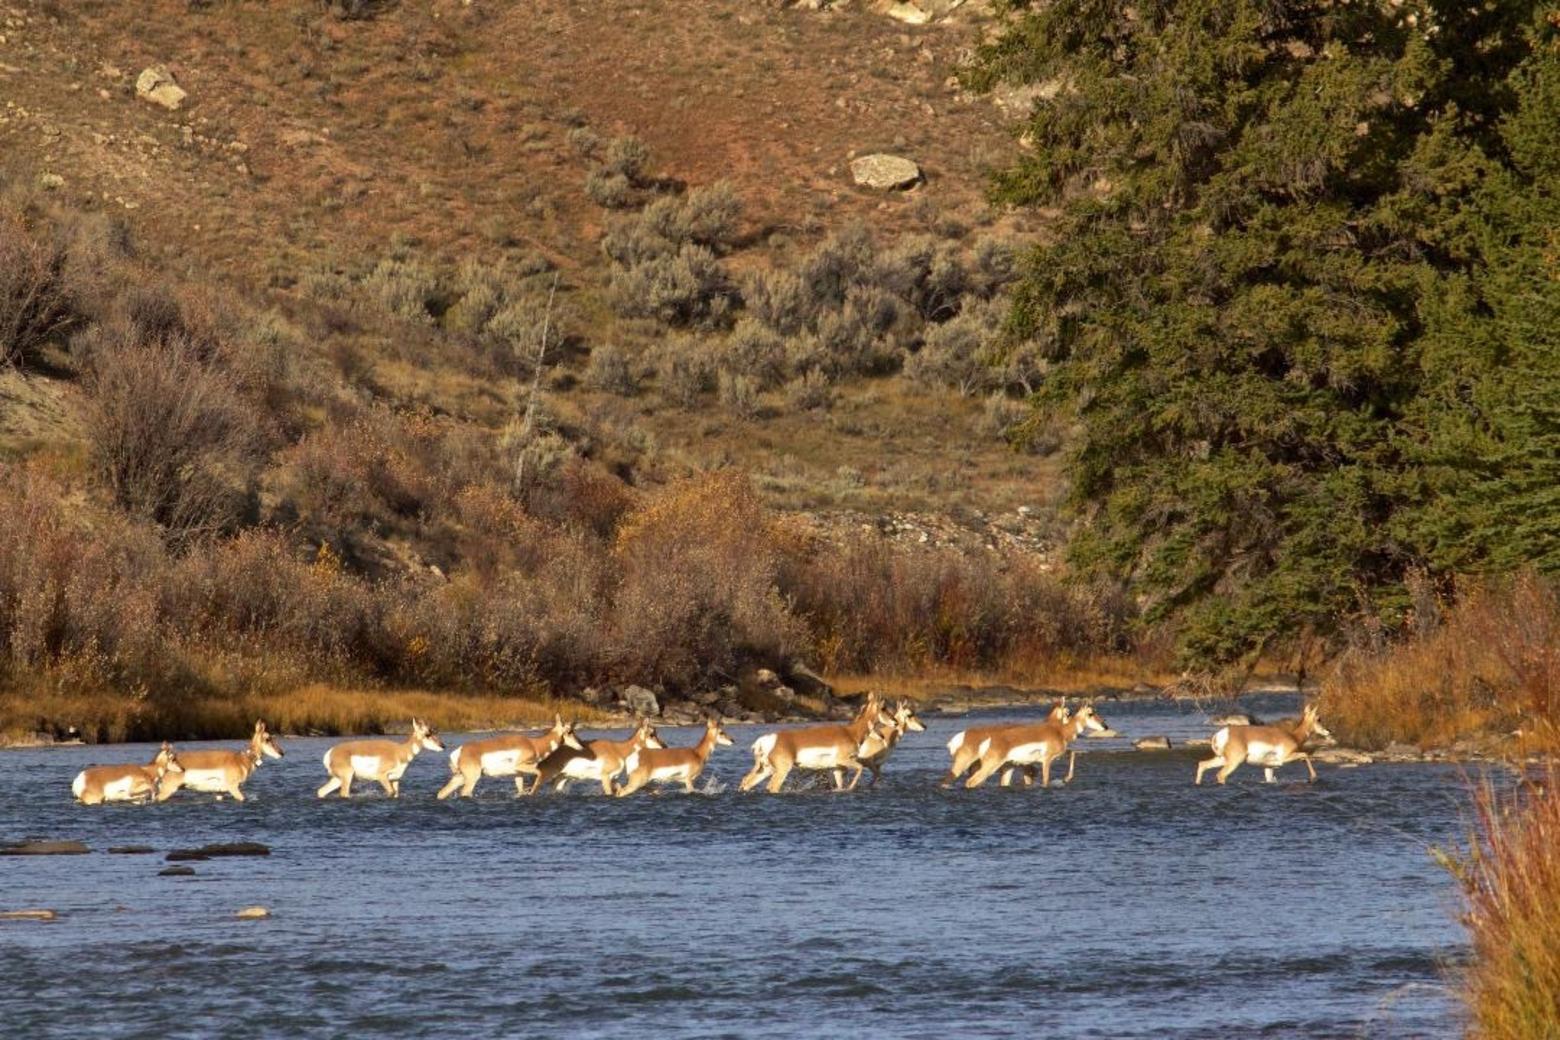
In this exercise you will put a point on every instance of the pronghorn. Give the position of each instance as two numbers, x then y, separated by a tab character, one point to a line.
382	760
510	754
815	747
965	747
1031	745
601	760
1265	746
134	783
673	765
221	771
874	750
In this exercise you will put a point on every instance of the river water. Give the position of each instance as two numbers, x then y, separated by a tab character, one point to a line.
1129	904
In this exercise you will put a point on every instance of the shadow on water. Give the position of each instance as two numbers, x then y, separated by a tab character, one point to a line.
1130	904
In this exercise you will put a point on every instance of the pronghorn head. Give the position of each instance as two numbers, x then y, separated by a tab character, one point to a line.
1315	724
166	761
564	731
906	719
1089	719
646	736
713	727
425	737
1058	713
264	743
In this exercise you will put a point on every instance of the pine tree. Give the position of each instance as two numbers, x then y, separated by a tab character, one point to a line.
1299	296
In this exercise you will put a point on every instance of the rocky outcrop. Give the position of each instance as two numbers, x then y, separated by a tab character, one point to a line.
640	701
885	172
157	85
44	848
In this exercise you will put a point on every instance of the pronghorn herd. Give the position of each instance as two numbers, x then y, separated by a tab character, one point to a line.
557	755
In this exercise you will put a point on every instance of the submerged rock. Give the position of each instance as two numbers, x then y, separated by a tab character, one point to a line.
28	915
1152	744
130	850
176	872
252	913
232	848
44	848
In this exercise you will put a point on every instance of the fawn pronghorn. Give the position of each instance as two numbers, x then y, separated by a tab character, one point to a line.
601	760
509	754
382	760
1029	745
965	747
1265	746
874	750
221	771
132	783
815	747
673	765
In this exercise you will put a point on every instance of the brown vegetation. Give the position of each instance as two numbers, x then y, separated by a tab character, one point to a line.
1511	879
1488	663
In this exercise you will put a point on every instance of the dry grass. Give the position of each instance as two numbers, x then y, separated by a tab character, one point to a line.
1066	674
1511	880
1487	665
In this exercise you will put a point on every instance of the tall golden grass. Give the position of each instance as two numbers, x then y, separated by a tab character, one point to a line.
1511	881
1486	666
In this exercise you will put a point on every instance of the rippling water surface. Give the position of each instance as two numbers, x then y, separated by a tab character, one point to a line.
1130	904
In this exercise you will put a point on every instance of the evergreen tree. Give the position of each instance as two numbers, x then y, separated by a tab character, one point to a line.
1299	297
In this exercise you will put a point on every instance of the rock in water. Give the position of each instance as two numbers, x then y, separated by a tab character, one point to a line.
27	915
176	872
156	84
640	701
1233	719
1152	744
885	172
252	913
44	848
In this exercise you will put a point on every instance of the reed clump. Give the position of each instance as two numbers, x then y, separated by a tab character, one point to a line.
1485	664
1511	881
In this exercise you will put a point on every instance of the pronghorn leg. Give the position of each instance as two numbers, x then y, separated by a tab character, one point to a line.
388	785
346	785
1045	772
1206	764
687	785
983	773
761	769
1007	776
237	794
1309	768
839	779
1029	776
635	782
877	771
1229	767
1268	775
330	785
777	778
456	779
1072	760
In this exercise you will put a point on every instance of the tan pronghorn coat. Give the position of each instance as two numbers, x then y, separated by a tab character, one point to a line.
965	745
880	743
673	765
382	760
1265	746
601	760
128	783
222	771
508	754
831	748
1029	745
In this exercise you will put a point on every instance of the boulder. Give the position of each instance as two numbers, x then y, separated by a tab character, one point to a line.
131	850
1341	756
176	872
784	693
44	848
1152	744
910	14
156	84
808	682
252	913
884	172
205	852
764	678
1234	718
640	701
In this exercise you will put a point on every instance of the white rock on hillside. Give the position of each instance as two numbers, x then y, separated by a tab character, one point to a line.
910	14
885	172
156	84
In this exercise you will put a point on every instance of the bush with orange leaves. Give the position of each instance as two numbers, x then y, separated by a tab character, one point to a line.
698	592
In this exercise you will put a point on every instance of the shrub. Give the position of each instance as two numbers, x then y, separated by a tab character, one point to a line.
36	299
607	189
407	289
810	391
611	371
627	157
584	140
685	372
779	299
926	274
754	351
169	435
738	395
679	289
711	214
955	353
